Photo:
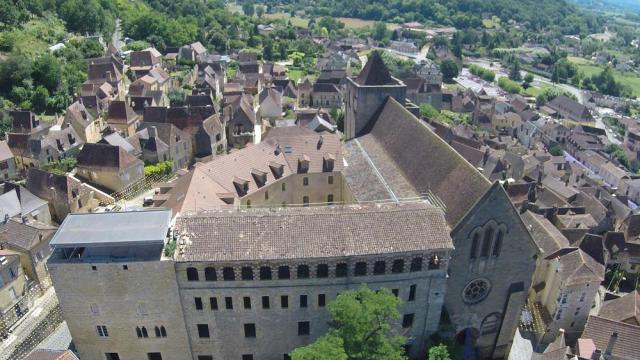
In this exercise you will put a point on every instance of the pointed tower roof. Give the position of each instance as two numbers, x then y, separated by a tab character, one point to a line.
375	72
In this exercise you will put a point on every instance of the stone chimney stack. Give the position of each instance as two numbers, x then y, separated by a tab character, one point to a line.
153	132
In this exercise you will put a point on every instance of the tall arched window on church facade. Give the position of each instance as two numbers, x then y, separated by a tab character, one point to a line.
474	246
490	323
498	243
486	242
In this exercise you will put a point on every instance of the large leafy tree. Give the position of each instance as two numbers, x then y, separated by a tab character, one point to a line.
360	329
449	69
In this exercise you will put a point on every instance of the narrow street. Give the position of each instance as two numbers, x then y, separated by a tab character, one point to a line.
41	320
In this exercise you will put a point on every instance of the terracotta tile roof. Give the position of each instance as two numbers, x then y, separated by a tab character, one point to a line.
314	232
600	330
375	72
625	309
121	113
548	238
426	161
105	156
577	267
24	235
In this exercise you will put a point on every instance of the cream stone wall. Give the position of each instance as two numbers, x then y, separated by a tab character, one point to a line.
144	294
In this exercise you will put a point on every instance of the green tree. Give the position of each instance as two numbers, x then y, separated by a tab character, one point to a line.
47	72
380	31
325	348
248	9
449	69
528	79
555	75
514	73
259	10
360	327
439	352
39	99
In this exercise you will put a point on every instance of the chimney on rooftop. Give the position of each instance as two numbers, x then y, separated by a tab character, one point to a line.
320	140
153	132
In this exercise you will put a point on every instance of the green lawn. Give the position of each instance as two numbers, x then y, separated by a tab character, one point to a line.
535	90
295	75
589	69
295	21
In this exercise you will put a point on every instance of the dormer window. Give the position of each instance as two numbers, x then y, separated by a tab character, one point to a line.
328	161
303	164
227	198
276	169
259	176
241	185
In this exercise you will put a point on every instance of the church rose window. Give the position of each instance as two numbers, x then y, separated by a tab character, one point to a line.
476	291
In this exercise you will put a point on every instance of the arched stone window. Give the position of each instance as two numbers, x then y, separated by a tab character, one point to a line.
138	331
228	274
497	246
490	323
486	242
157	331
341	270
192	274
247	273
303	271
434	262
379	267
283	272
416	264
144	332
398	266
473	253
163	331
322	271
360	269
210	274
265	273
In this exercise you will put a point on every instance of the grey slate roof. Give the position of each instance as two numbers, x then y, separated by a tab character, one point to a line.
314	232
113	228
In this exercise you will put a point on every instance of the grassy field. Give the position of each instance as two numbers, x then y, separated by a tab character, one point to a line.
589	69
354	23
535	90
295	21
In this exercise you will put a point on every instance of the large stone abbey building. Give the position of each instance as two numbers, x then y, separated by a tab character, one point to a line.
252	281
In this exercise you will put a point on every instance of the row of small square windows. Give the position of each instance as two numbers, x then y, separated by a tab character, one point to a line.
284	300
304	328
303	271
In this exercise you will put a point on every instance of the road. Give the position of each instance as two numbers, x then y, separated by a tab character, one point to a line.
116	39
42	319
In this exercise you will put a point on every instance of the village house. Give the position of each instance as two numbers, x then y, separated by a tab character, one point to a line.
64	193
565	282
122	118
88	127
8	167
109	166
13	286
304	93
242	125
270	104
142	62
161	142
16	200
613	332
326	95
565	107
29	239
